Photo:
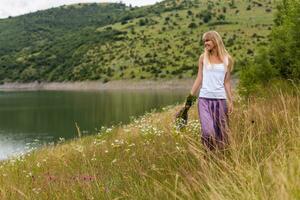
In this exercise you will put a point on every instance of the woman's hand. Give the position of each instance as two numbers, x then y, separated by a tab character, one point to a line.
181	112
181	117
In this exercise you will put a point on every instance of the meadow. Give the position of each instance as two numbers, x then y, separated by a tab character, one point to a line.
150	159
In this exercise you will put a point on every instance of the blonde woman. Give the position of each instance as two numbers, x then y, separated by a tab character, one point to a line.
215	97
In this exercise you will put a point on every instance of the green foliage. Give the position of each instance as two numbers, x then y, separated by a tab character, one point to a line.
257	74
190	12
286	40
29	74
206	16
281	58
192	25
219	23
221	17
143	22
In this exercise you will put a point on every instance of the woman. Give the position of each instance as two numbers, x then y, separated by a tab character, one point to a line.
215	96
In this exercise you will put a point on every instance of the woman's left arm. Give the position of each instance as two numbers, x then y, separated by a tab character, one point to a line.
227	85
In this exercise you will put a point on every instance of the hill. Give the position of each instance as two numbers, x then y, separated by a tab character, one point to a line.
111	41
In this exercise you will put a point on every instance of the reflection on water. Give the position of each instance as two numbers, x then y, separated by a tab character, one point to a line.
29	119
18	144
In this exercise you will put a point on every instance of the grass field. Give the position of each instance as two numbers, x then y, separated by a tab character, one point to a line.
150	159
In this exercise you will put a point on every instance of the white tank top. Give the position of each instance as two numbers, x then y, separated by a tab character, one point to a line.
213	80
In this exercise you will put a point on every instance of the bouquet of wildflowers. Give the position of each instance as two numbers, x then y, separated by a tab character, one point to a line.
182	115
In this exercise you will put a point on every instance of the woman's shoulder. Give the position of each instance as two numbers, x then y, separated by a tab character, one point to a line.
201	57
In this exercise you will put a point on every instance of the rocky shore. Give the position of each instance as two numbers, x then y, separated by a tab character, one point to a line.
111	85
98	85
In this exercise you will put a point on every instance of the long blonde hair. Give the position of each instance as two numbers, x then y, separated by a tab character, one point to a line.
223	54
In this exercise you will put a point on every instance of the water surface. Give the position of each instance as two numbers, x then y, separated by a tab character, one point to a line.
29	119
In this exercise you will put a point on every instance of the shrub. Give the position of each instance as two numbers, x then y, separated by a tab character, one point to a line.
142	22
189	12
105	80
192	25
206	16
258	73
221	17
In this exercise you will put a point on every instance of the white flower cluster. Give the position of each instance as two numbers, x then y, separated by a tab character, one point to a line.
98	141
94	157
36	190
61	140
117	143
147	129
193	126
105	130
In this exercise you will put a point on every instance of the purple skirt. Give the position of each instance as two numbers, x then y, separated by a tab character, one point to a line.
213	115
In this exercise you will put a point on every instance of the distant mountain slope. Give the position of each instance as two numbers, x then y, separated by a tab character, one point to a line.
113	41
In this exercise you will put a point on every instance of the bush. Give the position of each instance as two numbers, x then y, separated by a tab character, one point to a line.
105	80
268	10
29	74
192	25
257	74
221	17
207	17
189	12
219	23
142	22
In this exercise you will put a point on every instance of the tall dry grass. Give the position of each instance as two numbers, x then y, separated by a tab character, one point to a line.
150	159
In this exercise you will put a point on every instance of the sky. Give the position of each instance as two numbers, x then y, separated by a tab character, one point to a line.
19	7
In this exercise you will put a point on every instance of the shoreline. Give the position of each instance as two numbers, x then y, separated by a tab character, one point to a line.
173	84
98	85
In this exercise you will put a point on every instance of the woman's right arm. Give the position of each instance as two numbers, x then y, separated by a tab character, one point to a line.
198	82
195	88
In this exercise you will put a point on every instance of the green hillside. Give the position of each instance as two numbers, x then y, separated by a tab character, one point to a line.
111	41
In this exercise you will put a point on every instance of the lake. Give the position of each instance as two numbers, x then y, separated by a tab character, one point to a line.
29	119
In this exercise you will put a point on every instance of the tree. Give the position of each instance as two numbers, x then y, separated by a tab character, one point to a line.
286	39
206	16
281	57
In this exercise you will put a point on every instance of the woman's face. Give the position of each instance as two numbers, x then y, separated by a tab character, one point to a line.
208	44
